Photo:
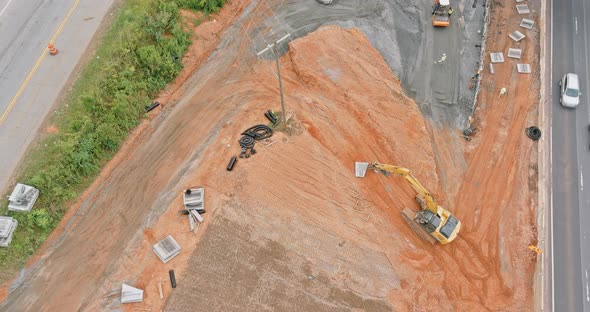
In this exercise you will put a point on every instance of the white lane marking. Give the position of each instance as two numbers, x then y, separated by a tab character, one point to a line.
581	178
585	36
576	22
551	83
551	192
587	292
4	9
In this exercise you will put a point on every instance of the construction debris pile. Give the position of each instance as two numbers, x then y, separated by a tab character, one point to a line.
194	205
22	199
249	136
255	133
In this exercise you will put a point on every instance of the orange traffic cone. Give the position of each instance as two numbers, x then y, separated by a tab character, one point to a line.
52	49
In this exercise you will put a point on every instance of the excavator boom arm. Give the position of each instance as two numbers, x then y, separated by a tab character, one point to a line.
434	223
429	201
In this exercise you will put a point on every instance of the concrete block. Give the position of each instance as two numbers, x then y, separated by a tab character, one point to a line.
22	198
7	227
497	57
523	68
516	36
522	9
527	23
514	53
167	249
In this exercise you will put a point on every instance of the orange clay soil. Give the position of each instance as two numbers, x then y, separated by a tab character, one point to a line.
300	197
291	228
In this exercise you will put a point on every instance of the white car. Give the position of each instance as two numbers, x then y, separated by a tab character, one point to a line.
570	90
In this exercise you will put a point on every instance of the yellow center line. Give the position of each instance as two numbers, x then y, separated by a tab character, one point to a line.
39	60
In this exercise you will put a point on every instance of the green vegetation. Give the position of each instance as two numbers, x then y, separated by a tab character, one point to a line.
207	6
137	57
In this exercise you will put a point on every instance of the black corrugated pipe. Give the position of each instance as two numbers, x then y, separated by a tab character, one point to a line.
231	164
172	278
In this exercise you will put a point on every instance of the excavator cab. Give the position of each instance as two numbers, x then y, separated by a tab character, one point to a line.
427	220
430	222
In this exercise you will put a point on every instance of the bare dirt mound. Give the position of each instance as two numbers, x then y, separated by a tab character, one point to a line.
294	230
292	227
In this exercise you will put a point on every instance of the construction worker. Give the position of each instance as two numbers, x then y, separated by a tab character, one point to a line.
450	11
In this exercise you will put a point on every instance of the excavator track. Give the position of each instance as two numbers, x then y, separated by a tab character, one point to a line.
408	215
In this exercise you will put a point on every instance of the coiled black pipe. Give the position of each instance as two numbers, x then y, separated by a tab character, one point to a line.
258	132
533	132
246	141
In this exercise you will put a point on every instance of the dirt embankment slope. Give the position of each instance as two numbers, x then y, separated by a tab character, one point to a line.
293	228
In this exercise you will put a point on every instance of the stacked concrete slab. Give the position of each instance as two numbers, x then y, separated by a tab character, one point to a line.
7	227
516	36
22	198
523	9
514	53
194	202
527	23
167	249
194	198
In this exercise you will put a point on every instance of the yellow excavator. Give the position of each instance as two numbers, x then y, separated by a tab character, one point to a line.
432	222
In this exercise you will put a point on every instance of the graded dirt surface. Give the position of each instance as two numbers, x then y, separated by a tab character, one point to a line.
291	228
271	263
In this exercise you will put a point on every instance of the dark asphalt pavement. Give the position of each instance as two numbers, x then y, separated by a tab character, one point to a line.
570	159
30	80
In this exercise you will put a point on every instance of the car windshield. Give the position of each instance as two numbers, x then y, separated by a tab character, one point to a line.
571	92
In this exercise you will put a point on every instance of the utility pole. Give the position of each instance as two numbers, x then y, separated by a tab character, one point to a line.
270	47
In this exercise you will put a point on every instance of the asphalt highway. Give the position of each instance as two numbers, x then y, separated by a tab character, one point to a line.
31	80
571	159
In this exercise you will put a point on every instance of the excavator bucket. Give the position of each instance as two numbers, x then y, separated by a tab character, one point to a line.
360	169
